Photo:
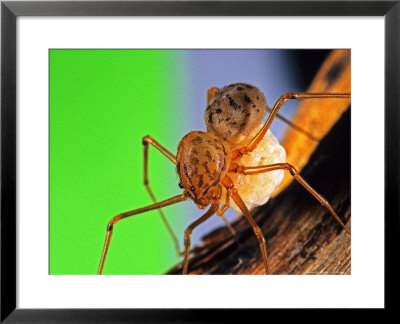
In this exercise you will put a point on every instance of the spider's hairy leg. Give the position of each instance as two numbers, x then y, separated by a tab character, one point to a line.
228	183
146	141
286	166
291	95
119	217
189	230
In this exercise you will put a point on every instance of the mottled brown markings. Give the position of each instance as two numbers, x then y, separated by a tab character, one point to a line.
194	160
217	147
210	117
205	165
195	165
200	165
197	140
216	181
185	170
201	182
236	106
247	99
232	103
218	111
242	124
213	184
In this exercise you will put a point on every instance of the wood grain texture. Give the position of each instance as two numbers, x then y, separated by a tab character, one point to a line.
302	237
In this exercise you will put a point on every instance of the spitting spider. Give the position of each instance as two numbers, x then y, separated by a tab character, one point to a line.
213	166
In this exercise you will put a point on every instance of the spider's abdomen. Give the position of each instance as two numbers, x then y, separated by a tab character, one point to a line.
234	111
202	161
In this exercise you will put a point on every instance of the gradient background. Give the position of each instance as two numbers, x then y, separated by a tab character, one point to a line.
102	103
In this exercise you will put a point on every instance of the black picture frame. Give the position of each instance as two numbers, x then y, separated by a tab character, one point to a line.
10	10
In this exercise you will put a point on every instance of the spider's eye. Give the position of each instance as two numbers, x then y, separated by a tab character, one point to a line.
188	194
180	185
192	188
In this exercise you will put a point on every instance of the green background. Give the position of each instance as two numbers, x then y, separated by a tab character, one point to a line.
102	102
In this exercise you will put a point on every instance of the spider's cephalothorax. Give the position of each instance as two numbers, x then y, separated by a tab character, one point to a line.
203	160
234	111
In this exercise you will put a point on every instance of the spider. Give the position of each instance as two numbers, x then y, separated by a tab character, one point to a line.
212	166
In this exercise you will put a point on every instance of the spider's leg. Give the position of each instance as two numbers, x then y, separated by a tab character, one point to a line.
286	166
146	141
294	126
211	92
228	225
121	216
292	95
228	183
188	234
221	211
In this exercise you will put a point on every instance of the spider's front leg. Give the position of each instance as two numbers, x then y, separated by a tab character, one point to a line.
146	141
119	217
189	230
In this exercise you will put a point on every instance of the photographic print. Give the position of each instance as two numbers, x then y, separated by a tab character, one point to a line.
200	161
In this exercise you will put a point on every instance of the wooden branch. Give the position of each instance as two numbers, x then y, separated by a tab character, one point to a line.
318	115
302	237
